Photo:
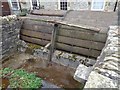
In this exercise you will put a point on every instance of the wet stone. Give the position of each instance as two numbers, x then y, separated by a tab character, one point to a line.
46	84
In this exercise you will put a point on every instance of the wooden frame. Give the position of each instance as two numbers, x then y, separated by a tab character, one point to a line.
97	9
12	5
59	5
32	5
71	38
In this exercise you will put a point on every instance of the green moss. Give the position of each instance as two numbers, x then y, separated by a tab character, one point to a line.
73	57
33	46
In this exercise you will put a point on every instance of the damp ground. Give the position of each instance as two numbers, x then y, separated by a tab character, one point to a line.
54	73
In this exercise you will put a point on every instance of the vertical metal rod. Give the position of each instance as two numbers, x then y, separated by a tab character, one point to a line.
115	5
19	2
53	39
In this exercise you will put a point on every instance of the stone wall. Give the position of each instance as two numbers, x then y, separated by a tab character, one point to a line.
49	4
9	35
106	73
75	4
0	37
79	5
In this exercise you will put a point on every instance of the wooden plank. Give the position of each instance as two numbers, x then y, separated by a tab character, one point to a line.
76	28
83	35
78	50
33	22
81	43
66	40
46	47
34	40
35	34
45	29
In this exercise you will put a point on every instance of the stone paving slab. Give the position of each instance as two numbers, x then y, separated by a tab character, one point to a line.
46	84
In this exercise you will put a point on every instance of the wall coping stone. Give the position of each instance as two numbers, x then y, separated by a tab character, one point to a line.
106	73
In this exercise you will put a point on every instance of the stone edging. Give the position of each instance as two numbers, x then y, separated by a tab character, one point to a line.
106	73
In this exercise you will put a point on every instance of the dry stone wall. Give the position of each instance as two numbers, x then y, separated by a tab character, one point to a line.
106	73
0	38
9	35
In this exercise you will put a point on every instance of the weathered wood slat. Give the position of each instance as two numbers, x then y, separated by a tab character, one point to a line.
32	22
78	50
35	34
44	29
83	35
75	28
67	40
34	40
81	43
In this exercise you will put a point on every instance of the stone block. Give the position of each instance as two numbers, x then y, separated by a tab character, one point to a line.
82	73
73	64
97	80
